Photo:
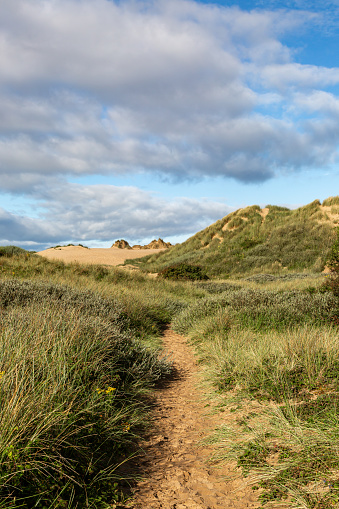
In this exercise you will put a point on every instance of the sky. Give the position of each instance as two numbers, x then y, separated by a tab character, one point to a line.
140	119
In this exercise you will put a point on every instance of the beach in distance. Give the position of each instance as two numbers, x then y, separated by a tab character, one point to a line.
109	256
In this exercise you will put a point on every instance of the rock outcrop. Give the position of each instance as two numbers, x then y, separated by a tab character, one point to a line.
121	244
155	244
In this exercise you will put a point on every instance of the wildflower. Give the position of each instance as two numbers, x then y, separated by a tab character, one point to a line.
106	391
1	374
126	426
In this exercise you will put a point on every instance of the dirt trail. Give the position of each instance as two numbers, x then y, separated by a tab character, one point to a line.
176	475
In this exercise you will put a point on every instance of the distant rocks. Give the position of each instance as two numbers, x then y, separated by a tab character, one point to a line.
155	244
121	244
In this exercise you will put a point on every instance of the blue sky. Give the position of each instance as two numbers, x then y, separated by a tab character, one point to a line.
139	119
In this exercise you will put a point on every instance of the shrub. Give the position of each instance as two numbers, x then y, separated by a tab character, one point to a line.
11	251
333	261
184	271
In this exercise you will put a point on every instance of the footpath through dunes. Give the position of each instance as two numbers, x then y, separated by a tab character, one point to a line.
174	464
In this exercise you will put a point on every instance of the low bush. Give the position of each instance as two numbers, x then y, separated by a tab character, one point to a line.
11	251
184	271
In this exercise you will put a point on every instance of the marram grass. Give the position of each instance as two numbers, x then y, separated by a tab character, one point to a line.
73	389
79	360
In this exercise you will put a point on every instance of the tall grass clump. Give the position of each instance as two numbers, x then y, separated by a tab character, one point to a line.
9	251
260	309
74	385
276	365
288	444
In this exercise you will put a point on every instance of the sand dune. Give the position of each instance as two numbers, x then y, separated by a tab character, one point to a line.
110	256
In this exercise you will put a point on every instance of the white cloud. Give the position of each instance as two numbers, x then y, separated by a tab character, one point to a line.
172	88
86	213
318	101
296	75
95	87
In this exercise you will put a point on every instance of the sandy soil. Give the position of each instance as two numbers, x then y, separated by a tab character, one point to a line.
110	256
263	213
175	468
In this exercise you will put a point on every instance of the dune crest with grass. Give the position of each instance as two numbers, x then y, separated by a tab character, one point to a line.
254	240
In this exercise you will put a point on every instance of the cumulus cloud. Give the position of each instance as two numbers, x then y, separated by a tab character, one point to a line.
176	88
23	230
78	213
303	76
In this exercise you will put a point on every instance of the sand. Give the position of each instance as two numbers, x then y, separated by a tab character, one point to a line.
109	256
172	460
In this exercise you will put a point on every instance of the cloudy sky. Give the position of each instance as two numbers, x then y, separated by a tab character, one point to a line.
144	118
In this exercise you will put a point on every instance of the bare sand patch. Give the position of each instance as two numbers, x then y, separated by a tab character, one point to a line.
95	256
263	213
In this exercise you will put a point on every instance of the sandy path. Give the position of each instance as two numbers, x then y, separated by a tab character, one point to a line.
174	467
110	256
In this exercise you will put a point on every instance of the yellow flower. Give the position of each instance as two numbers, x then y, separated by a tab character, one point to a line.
107	391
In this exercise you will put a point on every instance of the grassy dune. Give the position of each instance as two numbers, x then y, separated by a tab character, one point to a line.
252	240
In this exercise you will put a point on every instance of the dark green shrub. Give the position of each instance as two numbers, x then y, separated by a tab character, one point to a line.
184	271
333	261
11	251
248	243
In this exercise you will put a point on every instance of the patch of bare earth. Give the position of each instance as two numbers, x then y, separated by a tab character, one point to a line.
174	464
109	256
331	214
263	213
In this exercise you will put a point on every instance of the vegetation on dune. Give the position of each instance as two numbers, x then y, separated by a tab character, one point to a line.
9	251
79	351
281	349
68	245
251	240
184	271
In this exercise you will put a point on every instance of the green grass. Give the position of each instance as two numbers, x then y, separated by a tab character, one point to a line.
275	354
9	251
77	366
79	355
